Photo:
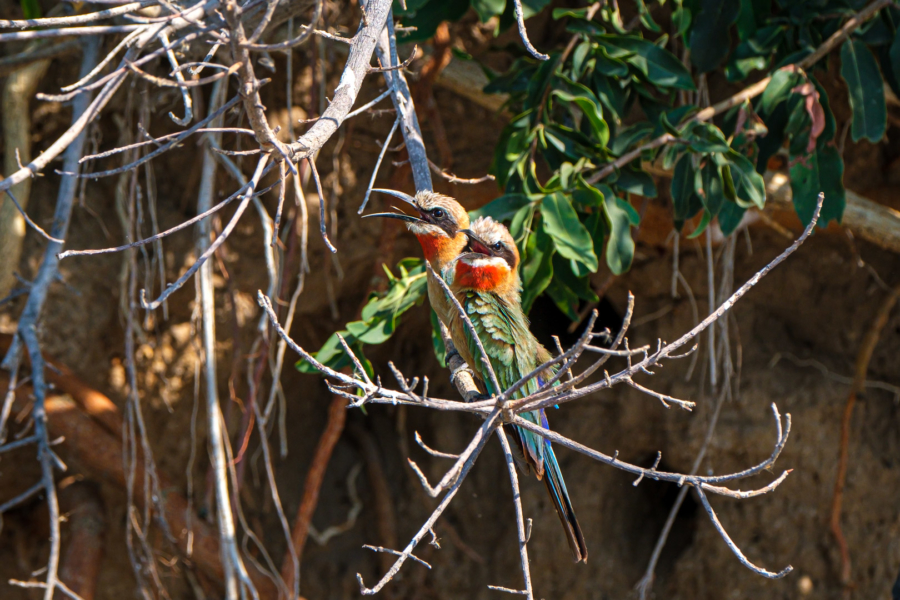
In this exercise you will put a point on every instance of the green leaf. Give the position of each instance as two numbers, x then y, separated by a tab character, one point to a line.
681	19
749	185
591	109
659	65
620	216
488	8
437	342
431	14
502	208
831	181
537	268
685	201
379	316
710	38
805	186
610	93
636	182
778	90
708	184
564	298
580	286
31	9
561	223
646	18
822	171
730	217
894	55
860	71
575	13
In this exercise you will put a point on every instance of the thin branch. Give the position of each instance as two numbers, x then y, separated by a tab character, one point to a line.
300	39
454	179
172	287
520	517
78	19
68	32
31	223
523	33
384	148
733	547
395	67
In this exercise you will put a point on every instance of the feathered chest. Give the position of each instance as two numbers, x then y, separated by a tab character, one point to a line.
483	278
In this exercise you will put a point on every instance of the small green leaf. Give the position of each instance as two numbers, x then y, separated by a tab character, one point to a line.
561	223
860	71
749	185
437	342
565	299
620	247
581	286
31	9
590	107
685	201
646	18
488	8
537	268
730	217
636	182
805	186
779	89
681	19
894	55
821	171
502	208
575	13
660	66
710	38
831	181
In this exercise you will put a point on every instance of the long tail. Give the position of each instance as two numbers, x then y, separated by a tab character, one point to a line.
560	496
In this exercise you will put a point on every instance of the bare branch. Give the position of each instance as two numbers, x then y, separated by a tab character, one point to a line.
733	547
523	33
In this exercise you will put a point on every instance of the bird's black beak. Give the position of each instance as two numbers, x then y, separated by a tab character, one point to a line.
476	244
403	217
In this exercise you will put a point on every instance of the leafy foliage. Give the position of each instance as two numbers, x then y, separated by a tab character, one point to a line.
619	88
378	320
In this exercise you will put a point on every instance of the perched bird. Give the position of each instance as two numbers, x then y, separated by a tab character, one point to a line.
438	226
485	280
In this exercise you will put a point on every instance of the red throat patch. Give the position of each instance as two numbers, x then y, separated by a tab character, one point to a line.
431	245
483	278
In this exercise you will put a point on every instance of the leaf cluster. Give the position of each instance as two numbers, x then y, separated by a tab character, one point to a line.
618	89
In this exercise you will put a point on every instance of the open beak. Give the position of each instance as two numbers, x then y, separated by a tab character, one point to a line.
476	244
401	216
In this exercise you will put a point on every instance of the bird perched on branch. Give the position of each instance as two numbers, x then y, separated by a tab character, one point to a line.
485	280
438	226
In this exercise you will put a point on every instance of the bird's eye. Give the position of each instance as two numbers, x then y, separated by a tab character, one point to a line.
438	213
497	246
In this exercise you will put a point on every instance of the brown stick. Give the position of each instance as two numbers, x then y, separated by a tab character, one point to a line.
866	349
83	556
98	406
337	414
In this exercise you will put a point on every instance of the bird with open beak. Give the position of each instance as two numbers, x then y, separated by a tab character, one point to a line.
485	280
437	224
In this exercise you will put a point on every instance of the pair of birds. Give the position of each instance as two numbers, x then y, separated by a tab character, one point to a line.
479	262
